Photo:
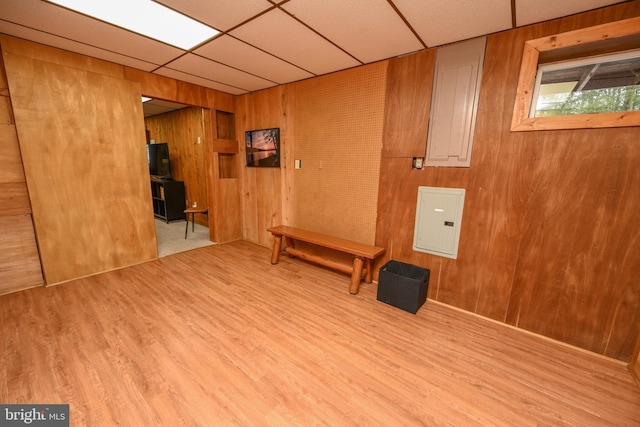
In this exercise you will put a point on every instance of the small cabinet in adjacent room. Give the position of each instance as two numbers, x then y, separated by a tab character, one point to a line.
169	200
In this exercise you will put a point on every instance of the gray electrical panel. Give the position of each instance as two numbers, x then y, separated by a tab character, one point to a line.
438	220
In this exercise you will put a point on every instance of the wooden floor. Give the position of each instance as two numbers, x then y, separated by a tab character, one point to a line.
219	336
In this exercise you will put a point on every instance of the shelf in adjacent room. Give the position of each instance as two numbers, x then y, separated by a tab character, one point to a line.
168	199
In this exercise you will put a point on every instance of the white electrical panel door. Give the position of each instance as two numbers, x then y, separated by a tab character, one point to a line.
438	220
454	103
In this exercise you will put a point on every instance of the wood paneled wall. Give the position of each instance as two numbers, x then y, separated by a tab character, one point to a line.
81	135
634	364
408	102
184	131
93	213
338	137
334	125
19	258
550	228
267	193
224	163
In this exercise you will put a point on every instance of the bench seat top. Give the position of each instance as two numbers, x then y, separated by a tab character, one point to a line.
358	249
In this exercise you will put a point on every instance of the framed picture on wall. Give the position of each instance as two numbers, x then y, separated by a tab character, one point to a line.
263	147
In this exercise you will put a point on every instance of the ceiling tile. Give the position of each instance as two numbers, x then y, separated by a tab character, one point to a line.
532	11
73	26
235	53
279	34
266	46
196	80
214	71
439	22
157	106
219	14
73	46
370	30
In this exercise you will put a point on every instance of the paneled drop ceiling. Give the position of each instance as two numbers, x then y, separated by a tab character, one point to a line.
264	43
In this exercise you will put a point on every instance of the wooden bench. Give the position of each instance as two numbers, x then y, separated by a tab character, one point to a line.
362	254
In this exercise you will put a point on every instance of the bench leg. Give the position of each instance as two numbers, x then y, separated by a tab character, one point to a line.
275	253
356	276
368	277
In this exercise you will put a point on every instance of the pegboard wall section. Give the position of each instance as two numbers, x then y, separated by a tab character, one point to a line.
338	143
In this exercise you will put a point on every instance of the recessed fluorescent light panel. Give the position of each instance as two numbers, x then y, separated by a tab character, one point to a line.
145	17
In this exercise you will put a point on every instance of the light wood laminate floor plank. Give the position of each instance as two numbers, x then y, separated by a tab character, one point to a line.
219	336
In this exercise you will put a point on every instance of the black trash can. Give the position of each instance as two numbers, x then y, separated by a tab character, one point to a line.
403	285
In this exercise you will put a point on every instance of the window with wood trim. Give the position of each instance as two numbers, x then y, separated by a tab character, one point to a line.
601	84
586	78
